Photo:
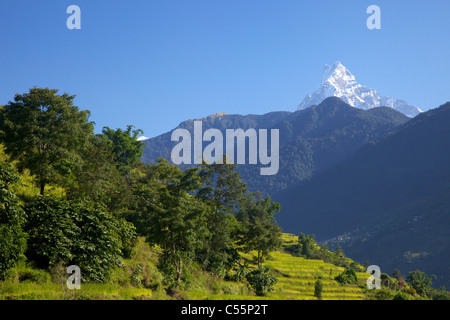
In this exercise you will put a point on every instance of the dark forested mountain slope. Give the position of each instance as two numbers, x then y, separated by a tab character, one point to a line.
391	200
311	140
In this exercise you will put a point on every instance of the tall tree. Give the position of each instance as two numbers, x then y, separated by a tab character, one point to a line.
223	190
420	281
169	216
44	132
127	149
98	178
260	231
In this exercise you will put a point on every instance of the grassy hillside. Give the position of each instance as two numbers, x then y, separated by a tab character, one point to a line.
139	279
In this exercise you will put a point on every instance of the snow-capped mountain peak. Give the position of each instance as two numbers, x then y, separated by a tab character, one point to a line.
337	72
339	82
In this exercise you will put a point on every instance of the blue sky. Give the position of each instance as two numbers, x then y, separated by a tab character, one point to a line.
154	64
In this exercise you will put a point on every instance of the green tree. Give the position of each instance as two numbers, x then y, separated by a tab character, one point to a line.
307	245
420	281
97	178
127	149
222	189
318	289
168	215
259	229
222	186
44	132
12	218
397	274
76	232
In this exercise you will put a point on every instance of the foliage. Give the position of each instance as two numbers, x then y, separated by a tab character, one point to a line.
259	230
401	296
420	281
44	132
221	189
347	277
71	232
307	245
439	294
126	148
169	216
12	218
261	281
318	289
97	177
241	271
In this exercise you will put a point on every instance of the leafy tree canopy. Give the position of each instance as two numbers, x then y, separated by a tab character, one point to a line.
127	149
44	132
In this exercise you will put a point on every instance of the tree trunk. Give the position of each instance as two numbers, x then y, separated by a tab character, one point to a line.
42	188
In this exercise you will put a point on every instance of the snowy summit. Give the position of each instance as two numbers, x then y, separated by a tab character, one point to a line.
339	82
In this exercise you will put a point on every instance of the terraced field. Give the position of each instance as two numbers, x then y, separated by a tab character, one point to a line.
296	279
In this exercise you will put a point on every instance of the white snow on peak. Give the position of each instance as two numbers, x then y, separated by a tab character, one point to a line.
142	138
339	82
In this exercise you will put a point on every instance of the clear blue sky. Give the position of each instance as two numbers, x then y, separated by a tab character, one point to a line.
154	63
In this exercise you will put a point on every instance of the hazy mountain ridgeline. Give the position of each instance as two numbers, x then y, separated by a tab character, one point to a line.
389	202
311	140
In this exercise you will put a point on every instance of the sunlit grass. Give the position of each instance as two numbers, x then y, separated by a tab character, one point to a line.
296	279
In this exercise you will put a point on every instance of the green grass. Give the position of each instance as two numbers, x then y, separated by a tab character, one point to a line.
296	278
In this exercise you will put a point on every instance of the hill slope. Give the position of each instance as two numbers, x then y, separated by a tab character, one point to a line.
390	200
296	277
311	140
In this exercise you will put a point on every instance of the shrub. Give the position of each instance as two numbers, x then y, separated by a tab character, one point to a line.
347	277
71	232
318	289
384	294
261	281
33	275
420	281
12	237
401	296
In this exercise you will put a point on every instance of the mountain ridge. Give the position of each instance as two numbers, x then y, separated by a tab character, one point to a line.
388	203
310	139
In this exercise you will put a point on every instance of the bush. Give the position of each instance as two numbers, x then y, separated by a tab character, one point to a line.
12	237
440	294
420	281
70	232
384	294
261	281
318	289
32	275
347	277
401	296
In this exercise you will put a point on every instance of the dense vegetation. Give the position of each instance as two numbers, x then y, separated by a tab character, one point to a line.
202	215
142	230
